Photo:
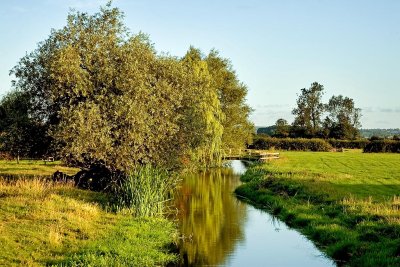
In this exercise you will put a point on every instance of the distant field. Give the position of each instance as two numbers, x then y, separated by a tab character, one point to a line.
33	168
341	174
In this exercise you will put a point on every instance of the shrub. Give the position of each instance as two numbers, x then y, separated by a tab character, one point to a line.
349	144
296	144
383	146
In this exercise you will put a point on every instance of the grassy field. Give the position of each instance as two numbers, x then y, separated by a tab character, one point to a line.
348	203
352	173
43	223
33	168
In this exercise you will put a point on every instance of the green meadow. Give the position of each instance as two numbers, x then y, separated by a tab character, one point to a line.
44	223
33	168
351	173
347	203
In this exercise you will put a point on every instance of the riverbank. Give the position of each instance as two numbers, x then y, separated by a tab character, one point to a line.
44	223
345	202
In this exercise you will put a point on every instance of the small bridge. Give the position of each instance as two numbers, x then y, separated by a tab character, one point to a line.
249	154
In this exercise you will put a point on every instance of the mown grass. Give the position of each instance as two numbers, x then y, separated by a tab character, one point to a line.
43	223
33	168
346	202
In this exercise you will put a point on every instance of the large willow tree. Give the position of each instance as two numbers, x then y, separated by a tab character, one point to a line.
237	129
109	98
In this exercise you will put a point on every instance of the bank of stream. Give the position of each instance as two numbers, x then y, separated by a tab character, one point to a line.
217	229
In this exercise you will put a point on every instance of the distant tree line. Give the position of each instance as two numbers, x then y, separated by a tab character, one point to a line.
92	93
380	133
338	119
319	144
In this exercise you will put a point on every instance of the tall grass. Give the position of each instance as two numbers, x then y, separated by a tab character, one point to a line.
145	191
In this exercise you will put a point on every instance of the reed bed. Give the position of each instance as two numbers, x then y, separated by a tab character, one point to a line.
145	192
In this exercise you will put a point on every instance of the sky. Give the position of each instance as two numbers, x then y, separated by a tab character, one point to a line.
276	47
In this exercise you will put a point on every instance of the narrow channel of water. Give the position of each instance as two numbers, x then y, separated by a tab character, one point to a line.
219	230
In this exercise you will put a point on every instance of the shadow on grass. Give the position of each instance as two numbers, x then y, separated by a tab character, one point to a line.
88	196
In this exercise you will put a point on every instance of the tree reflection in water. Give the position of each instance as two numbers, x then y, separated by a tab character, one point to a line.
211	218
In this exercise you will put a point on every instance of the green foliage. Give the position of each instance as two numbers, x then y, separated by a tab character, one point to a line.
111	99
270	130
206	112
20	134
231	93
349	144
345	202
297	144
376	146
308	111
282	128
144	192
343	118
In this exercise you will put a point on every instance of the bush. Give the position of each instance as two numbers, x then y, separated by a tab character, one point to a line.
144	192
376	146
349	144
295	144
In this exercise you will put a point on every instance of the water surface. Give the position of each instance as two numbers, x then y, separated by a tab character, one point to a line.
219	230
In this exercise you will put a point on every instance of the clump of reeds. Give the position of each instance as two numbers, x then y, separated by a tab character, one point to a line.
144	192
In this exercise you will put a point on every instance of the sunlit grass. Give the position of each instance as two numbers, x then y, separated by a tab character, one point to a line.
348	203
343	174
43	222
33	168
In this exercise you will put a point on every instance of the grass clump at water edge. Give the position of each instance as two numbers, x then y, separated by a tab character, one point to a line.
145	191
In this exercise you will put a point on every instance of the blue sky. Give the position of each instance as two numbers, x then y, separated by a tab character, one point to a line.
276	47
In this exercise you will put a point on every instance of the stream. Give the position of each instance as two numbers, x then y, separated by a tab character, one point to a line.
217	229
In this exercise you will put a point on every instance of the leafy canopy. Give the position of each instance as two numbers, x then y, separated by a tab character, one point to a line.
109	98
